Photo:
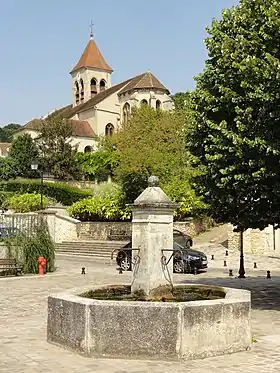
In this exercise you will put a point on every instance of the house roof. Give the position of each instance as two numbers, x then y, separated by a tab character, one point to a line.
80	128
144	81
5	148
93	58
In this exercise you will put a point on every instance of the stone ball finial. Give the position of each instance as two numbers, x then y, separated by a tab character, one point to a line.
153	181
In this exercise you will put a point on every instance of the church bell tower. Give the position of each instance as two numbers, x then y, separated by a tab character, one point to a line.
91	75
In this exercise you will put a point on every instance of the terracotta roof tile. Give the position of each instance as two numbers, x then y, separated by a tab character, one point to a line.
80	128
144	81
92	57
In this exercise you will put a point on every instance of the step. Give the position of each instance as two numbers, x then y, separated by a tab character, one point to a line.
96	252
82	253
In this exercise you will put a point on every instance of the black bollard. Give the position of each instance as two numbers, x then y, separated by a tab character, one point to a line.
268	274
230	273
226	252
225	263
120	270
83	271
255	265
212	257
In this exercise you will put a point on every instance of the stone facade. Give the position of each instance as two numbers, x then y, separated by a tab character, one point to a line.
255	241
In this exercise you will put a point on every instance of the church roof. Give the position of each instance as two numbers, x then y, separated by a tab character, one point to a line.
96	99
80	128
93	58
144	81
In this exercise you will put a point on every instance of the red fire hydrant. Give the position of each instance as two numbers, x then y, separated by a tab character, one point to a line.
42	262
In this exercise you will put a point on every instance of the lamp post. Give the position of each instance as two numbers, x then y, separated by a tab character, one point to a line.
34	167
241	264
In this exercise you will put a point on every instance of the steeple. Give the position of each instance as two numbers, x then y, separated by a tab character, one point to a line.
91	74
92	58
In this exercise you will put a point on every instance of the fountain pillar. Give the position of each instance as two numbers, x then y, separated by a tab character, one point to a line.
152	233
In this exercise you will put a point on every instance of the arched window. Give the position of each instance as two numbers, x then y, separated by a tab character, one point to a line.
144	102
126	112
109	129
77	93
82	90
93	87
102	85
158	104
88	149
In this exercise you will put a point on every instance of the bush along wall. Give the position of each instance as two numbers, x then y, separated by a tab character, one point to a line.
27	249
64	194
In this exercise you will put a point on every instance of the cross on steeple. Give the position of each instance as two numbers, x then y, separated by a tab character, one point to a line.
91	29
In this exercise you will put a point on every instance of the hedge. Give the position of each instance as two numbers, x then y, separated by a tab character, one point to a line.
62	193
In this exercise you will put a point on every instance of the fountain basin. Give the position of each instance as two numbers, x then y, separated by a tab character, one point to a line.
150	329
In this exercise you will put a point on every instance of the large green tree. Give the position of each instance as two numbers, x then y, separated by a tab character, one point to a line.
236	132
152	142
56	151
23	151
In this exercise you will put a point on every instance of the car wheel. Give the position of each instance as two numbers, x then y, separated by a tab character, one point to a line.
125	264
178	267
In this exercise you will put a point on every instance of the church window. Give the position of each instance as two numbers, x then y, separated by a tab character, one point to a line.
158	104
126	112
88	149
144	102
93	87
109	129
77	93
82	90
102	85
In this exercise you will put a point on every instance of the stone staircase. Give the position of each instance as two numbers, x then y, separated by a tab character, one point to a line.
90	248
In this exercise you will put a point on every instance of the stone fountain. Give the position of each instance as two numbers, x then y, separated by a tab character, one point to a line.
145	320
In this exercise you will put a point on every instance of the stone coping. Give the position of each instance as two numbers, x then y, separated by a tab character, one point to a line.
232	295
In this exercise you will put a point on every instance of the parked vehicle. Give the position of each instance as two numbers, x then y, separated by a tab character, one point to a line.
8	231
185	259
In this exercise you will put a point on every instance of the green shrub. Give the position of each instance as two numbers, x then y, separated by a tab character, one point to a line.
27	249
4	196
105	205
27	202
180	191
62	193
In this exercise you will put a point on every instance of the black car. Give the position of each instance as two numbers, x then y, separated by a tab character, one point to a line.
185	260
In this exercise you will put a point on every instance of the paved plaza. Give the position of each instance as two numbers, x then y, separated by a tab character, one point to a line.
23	315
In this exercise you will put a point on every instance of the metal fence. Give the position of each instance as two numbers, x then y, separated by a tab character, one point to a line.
12	223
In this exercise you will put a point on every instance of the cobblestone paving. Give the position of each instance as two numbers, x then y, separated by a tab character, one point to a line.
23	346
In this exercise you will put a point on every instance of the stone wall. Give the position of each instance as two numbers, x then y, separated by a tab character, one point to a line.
254	240
64	228
101	230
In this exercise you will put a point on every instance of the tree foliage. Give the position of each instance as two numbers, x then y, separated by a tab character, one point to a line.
6	132
97	165
236	133
152	142
7	169
56	150
22	153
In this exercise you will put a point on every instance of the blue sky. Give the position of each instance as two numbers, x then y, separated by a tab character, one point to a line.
41	40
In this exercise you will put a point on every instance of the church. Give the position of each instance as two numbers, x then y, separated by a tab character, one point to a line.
98	107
